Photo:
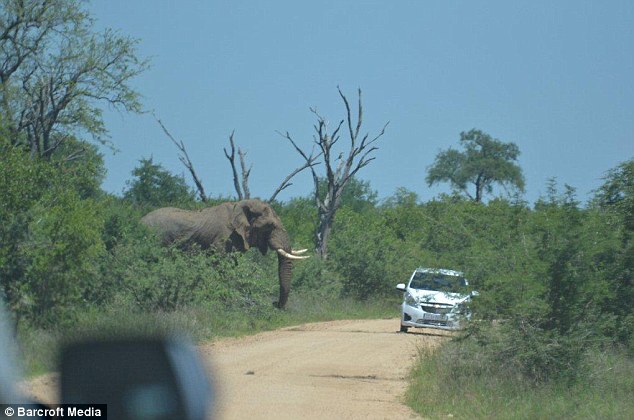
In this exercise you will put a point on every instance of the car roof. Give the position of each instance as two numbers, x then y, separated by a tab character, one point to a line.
440	271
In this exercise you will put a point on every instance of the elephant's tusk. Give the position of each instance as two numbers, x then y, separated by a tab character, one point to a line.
291	256
298	252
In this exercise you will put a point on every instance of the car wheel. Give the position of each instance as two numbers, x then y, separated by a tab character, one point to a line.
404	328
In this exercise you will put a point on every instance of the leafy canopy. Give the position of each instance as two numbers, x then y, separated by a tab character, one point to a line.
154	186
484	161
617	193
56	73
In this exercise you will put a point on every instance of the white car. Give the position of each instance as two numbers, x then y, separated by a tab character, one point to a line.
434	298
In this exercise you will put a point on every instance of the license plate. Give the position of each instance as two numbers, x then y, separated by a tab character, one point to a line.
434	317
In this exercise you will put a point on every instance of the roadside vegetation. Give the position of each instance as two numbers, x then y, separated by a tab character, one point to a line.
553	326
552	335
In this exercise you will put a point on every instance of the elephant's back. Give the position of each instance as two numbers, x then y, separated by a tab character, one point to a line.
208	227
163	215
171	223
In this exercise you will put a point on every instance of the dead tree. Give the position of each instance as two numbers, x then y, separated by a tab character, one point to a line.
339	169
184	158
242	187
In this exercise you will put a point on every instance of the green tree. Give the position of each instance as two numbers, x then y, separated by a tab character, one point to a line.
368	256
62	250
154	186
56	73
363	252
617	194
299	216
615	201
559	228
485	161
83	164
50	239
402	197
405	216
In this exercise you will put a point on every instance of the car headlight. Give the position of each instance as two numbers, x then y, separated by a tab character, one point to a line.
410	300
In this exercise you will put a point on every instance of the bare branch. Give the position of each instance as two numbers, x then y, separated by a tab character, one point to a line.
184	158
364	160
309	159
353	135
363	143
231	157
310	162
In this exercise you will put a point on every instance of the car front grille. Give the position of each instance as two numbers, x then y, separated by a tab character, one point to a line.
436	308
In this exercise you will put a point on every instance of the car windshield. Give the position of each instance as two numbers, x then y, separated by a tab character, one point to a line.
438	282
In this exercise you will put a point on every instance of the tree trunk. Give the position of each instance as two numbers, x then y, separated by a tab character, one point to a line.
326	219
479	185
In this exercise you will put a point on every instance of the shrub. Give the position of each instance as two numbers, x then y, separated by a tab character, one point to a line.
167	278
367	255
50	239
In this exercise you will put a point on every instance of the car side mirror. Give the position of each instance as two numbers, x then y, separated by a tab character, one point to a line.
401	287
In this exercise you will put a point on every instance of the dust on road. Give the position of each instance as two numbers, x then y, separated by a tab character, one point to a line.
353	369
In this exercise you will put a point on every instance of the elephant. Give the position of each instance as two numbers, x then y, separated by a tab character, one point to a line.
230	227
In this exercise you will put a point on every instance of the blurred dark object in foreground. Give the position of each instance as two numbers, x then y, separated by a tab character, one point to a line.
138	378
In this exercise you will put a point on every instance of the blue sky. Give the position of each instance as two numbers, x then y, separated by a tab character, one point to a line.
556	78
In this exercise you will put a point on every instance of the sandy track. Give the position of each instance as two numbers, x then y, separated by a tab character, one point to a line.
330	370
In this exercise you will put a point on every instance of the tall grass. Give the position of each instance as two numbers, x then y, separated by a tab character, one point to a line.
449	382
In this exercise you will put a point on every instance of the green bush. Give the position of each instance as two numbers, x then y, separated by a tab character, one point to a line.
368	256
50	239
614	203
299	217
314	277
63	245
167	278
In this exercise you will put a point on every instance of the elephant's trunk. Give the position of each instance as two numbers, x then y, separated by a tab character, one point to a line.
279	241
285	273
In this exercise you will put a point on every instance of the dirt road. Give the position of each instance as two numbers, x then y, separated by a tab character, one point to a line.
331	370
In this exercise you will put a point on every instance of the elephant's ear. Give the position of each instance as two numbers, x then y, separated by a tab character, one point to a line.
241	228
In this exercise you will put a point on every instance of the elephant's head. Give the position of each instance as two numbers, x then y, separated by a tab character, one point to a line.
255	224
